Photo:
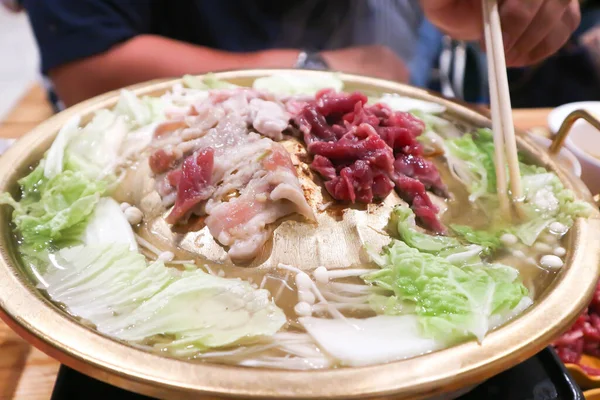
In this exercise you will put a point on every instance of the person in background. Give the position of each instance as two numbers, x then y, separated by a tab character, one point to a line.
427	51
570	75
121	42
92	46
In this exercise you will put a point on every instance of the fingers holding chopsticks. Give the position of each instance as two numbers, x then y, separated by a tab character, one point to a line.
536	29
532	29
552	43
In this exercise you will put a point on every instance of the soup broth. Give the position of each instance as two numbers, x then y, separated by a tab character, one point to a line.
232	229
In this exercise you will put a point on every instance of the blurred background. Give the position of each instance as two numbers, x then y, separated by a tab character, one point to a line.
92	46
19	68
414	50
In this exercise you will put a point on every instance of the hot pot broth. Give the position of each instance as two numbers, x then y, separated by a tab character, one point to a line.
282	307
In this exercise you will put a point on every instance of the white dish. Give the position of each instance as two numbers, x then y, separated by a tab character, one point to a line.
566	158
583	140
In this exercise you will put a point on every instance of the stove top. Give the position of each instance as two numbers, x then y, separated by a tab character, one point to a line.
542	377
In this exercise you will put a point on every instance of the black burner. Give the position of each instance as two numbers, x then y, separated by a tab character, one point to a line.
542	377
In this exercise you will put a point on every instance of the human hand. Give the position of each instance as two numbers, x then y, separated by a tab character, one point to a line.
532	29
377	61
590	40
12	5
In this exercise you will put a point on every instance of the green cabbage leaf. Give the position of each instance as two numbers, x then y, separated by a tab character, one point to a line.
452	303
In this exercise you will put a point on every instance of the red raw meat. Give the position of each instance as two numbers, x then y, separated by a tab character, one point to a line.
162	160
362	160
362	115
426	211
324	167
314	125
399	130
174	177
583	337
413	192
382	185
360	143
331	104
193	183
422	170
359	182
363	151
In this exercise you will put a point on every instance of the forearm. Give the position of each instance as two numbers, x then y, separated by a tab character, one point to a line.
148	57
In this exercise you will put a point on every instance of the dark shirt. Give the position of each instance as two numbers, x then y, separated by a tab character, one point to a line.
67	30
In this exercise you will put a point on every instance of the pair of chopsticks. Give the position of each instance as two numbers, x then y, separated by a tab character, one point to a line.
502	120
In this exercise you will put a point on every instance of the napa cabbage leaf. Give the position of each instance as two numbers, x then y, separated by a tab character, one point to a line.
403	221
488	240
96	149
60	195
441	128
545	199
469	163
452	303
209	81
407	104
115	289
54	160
368	341
436	130
141	111
297	84
53	213
108	225
467	246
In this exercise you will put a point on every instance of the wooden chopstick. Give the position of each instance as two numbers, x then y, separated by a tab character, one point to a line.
497	126
502	119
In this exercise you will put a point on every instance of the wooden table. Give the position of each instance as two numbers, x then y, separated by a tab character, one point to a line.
29	112
27	373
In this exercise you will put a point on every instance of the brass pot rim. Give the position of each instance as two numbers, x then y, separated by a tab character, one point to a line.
34	317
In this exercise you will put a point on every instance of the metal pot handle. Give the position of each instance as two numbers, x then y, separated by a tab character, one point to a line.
565	128
559	139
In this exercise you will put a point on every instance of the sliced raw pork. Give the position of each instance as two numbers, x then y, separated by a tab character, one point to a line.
272	192
216	166
193	182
